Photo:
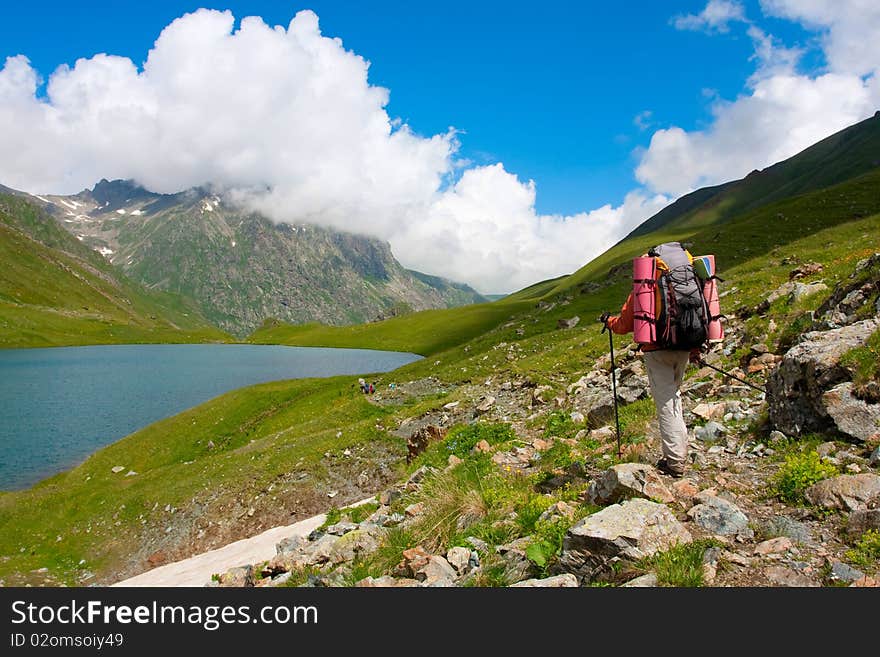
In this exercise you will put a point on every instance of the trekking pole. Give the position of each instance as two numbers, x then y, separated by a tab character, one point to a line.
613	379
732	376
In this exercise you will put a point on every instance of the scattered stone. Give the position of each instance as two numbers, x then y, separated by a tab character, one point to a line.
717	515
852	416
566	580
419	440
415	509
868	581
478	544
628	480
238	577
333	493
826	449
568	323
874	459
711	556
841	572
736	558
290	545
541	445
806	269
341	528
630	531
862	520
773	546
855	468
782	576
801	291
414	559
487	403
437	572
709	411
518	565
389	496
560	509
451	405
577	417
482	446
538	395
130	473
785	526
685	489
643	582
845	492
453	461
776	436
116	469
386	581
459	558
392	520
710	432
416	477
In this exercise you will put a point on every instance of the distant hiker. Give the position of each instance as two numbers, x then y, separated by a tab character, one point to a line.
372	389
669	315
363	386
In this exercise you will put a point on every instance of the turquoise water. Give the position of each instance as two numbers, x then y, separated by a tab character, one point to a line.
59	405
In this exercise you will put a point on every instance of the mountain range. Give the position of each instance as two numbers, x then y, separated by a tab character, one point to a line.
240	268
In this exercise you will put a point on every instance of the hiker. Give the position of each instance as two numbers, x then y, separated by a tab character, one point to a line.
666	366
363	386
372	388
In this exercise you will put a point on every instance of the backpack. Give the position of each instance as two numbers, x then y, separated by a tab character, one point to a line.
682	313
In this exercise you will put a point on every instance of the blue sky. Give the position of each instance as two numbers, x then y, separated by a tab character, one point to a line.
551	89
572	122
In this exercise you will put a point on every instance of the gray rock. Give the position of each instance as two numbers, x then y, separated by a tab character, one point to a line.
478	544
627	480
841	572
643	582
518	565
717	515
566	580
826	449
711	557
709	433
289	545
795	389
568	323
874	459
851	416
389	496
785	526
598	406
862	520
577	417
487	403
242	576
416	477
341	528
776	436
355	543
392	520
629	531
802	290
845	492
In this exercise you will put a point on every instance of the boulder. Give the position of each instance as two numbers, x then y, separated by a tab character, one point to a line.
773	546
709	433
485	404
355	543
785	526
518	565
597	404
341	528
436	572
852	416
238	577
708	411
539	393
628	531
862	520
717	515
571	322
795	389
841	572
627	480
290	544
566	580
414	560
459	558
845	492
643	582
419	440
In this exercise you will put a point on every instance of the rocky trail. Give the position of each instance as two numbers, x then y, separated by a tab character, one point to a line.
781	488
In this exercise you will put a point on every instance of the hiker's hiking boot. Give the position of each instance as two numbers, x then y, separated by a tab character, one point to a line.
667	468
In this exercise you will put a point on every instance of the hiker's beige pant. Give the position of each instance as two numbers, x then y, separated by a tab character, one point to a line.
665	373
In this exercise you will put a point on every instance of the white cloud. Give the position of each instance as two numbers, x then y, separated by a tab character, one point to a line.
286	120
715	17
643	120
851	30
781	112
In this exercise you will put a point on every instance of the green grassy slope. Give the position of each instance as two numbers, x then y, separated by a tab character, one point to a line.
55	291
844	155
